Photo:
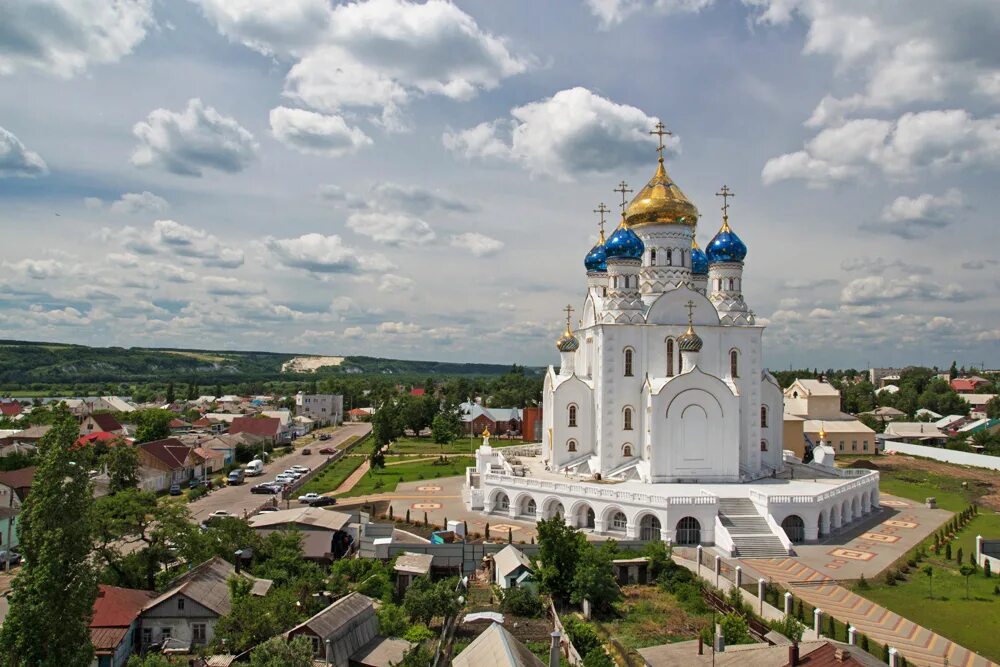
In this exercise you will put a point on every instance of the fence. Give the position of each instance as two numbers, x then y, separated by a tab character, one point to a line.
946	455
572	655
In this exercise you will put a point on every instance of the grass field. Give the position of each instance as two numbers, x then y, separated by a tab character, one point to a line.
333	475
459	446
948	612
386	479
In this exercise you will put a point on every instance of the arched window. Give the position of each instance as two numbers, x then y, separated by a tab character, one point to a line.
732	284
763	416
571	446
627	419
670	257
652	257
628	362
734	363
763	445
618	521
670	357
627	451
572	415
688	531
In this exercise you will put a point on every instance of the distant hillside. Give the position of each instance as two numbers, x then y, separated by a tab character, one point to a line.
27	362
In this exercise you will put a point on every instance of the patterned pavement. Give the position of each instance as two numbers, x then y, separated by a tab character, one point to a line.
919	645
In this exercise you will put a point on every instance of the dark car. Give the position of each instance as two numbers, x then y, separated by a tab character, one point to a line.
175	490
307	451
265	488
325	436
12	556
323	502
327	451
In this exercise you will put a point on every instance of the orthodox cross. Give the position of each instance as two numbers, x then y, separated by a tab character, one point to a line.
569	312
660	131
690	307
602	209
725	193
623	188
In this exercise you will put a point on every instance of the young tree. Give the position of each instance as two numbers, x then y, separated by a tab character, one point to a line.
735	629
123	468
152	425
929	571
171	396
559	551
967	571
445	427
279	652
392	620
53	595
594	579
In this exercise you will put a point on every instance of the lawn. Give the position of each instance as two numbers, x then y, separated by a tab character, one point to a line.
333	475
385	479
919	485
459	446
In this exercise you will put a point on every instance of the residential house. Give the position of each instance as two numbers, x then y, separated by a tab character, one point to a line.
345	634
496	647
179	426
229	403
968	385
324	409
915	433
284	416
100	421
114	626
409	566
302	425
888	389
10	409
360	414
817	404
269	428
978	404
924	413
184	616
885	413
508	565
29	436
14	488
100	437
212	460
500	421
417	391
112	403
227	444
326	534
165	462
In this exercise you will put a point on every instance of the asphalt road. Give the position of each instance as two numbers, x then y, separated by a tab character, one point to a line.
237	499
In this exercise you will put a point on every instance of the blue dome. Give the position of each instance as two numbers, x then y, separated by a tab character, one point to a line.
726	247
624	244
597	258
699	261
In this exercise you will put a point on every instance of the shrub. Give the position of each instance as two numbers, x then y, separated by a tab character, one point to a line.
947	551
418	633
598	658
582	634
735	629
912	562
890	578
392	621
789	626
522	602
987	570
958	559
862	584
864	643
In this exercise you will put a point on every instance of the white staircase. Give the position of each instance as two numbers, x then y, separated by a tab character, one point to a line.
751	536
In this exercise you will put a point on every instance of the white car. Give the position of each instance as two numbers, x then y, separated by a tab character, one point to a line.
300	469
294	474
309	497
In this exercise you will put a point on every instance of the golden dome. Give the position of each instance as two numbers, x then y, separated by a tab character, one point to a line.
661	202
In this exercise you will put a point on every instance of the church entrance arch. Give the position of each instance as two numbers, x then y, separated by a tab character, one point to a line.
794	527
501	503
688	531
649	528
585	517
528	507
553	508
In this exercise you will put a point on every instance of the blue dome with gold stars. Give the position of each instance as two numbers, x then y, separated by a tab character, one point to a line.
624	244
597	259
699	261
726	246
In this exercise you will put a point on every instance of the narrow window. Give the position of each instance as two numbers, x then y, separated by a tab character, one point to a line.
628	363
670	357
734	364
627	450
572	415
180	603
652	257
763	445
763	416
628	419
670	257
571	446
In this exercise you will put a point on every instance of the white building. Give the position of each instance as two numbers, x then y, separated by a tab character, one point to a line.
321	408
661	422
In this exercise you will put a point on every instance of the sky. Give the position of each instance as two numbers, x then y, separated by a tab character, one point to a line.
417	180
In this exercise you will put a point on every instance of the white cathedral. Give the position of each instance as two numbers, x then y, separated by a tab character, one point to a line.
661	422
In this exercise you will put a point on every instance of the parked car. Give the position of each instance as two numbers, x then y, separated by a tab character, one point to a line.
325	436
292	472
219	514
327	451
309	497
307	451
12	556
267	509
300	469
254	468
175	490
266	488
236	477
323	501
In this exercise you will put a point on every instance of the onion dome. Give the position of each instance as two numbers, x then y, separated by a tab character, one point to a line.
726	246
699	261
661	202
624	243
689	341
567	342
597	258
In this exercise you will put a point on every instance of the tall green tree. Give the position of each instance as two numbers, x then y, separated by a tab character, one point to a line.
152	424
53	595
171	396
123	468
594	579
559	551
446	426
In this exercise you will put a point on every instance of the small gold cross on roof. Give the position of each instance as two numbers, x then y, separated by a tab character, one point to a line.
602	209
661	131
725	193
623	188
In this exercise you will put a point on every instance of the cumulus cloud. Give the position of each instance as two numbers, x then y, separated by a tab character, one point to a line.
15	159
65	37
574	131
478	244
321	254
37	269
288	26
173	238
189	141
228	286
412	199
916	142
393	229
879	265
392	283
613	12
139	202
878	290
316	133
917	217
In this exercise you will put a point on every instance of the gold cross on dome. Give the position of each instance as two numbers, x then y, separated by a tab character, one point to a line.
725	193
569	312
690	306
624	189
602	209
661	131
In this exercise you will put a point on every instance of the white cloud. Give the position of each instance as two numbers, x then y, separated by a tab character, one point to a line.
390	196
269	27
15	159
393	229
354	332
228	286
65	37
398	328
613	12
880	265
321	254
37	269
478	244
916	142
392	283
139	202
574	131
917	217
192	140
876	290
173	238
316	133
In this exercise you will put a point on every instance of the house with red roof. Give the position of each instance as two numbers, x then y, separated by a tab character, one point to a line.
10	409
100	421
114	627
92	439
968	385
165	462
268	428
179	426
417	391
